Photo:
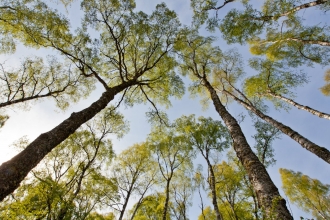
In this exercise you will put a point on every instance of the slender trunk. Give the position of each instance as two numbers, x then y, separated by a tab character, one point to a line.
267	193
306	108
321	152
15	170
167	198
125	203
232	207
213	191
202	204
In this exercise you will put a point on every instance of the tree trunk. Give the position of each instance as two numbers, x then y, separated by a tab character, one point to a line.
167	198
267	193
15	170
213	191
122	212
321	152
297	105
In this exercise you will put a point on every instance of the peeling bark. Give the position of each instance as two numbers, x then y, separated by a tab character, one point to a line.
15	170
266	191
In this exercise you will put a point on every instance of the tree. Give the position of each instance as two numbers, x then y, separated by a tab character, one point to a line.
134	173
234	197
182	189
309	194
131	57
173	154
67	185
209	137
31	22
199	59
264	138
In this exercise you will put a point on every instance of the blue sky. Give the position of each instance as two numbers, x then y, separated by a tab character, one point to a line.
44	116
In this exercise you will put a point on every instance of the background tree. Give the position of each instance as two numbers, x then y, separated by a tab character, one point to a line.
67	184
182	189
264	138
134	174
208	137
309	194
234	199
173	154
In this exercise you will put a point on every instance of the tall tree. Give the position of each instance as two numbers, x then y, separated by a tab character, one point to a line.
173	154
209	137
131	57
309	194
199	60
134	173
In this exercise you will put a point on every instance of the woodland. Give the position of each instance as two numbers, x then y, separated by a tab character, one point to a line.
233	56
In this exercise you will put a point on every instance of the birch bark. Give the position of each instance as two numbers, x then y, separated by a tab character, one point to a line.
267	193
319	151
303	107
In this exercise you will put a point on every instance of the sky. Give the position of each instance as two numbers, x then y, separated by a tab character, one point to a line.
43	116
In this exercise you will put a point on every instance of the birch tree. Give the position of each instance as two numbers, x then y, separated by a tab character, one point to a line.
208	137
134	174
199	58
173	154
